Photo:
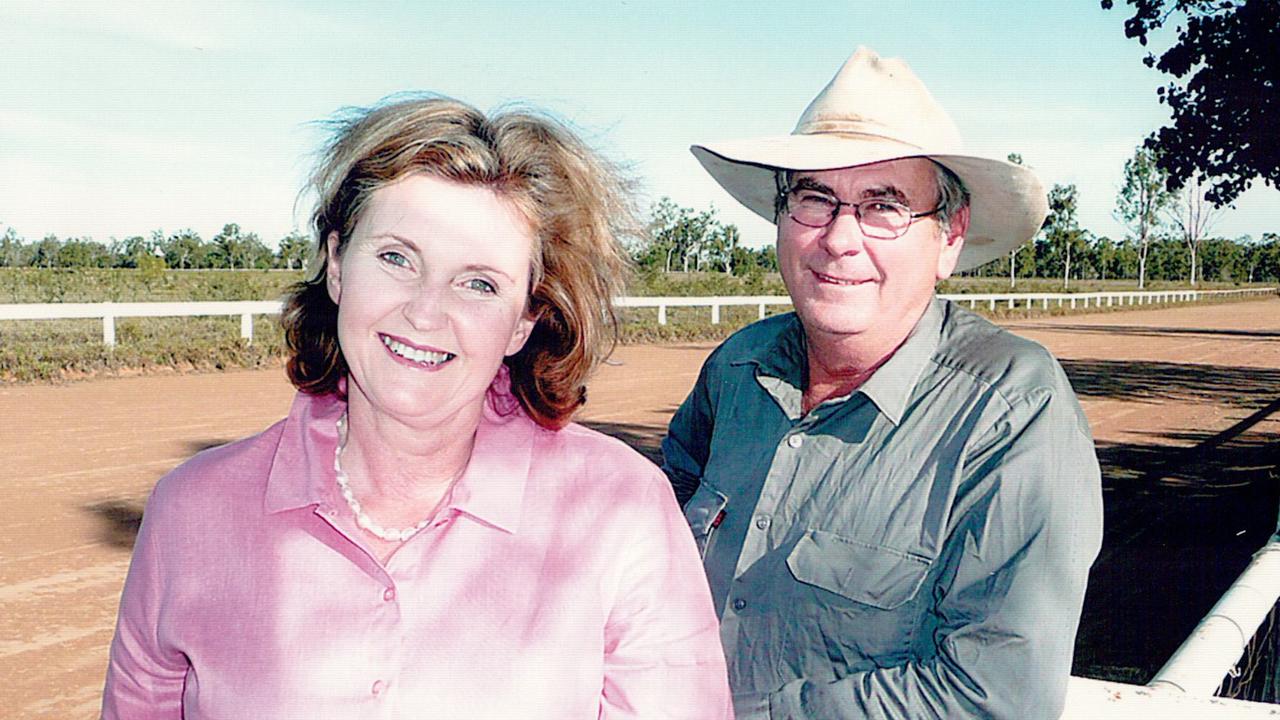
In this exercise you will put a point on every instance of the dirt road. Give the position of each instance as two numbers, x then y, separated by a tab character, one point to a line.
1183	402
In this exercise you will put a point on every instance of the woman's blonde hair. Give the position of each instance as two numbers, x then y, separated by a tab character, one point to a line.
577	204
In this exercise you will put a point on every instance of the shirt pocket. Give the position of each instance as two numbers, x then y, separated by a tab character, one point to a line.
703	512
872	575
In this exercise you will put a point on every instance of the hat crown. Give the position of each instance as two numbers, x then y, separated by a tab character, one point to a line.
881	98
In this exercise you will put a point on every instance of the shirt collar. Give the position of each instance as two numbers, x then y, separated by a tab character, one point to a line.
302	468
890	386
782	365
490	490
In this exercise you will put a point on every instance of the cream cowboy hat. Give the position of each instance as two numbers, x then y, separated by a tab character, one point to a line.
874	110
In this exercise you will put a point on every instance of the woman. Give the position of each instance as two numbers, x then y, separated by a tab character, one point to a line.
426	533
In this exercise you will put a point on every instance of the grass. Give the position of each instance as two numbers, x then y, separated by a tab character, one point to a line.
58	350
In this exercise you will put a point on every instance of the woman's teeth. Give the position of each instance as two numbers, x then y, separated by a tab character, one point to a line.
425	357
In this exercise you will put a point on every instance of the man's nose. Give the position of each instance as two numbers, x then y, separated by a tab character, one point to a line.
844	235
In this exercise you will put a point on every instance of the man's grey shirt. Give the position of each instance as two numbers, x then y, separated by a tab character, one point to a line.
917	548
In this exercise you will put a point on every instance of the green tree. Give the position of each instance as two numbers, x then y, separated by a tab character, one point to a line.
1223	94
295	250
45	252
185	249
1062	234
1143	197
13	252
83	253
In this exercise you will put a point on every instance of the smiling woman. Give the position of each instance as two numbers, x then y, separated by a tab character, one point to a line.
427	528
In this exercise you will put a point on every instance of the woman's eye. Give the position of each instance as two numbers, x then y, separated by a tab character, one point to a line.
394	258
481	285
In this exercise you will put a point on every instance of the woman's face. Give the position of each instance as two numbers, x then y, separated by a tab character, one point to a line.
431	293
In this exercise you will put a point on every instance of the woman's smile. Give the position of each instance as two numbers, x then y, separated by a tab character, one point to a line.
414	356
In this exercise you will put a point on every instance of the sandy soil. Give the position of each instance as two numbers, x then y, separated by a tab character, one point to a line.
1183	404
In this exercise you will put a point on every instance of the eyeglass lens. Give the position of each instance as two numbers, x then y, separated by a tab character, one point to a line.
877	218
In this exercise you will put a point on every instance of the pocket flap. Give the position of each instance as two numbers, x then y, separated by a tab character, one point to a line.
869	574
703	508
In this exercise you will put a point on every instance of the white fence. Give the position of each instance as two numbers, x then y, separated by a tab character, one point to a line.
246	309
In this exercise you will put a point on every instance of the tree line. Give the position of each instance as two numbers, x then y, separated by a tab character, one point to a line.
232	248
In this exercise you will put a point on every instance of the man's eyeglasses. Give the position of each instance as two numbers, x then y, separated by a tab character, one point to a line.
879	218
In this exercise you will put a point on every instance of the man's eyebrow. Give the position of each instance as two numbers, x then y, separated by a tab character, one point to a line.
885	191
806	183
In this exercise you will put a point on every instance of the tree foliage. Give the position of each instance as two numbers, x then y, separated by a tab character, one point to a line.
1142	199
1225	91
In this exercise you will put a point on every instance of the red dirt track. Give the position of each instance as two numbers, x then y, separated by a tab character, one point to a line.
1184	405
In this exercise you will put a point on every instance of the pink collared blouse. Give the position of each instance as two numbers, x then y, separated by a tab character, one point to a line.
560	581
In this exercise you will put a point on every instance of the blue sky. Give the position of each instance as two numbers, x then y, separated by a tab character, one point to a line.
120	118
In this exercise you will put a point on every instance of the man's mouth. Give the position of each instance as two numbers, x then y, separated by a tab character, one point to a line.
833	280
428	358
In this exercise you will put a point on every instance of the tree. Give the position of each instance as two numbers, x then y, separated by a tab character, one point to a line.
1192	215
45	252
679	234
1143	196
1016	159
295	249
13	253
1224	95
1062	232
184	249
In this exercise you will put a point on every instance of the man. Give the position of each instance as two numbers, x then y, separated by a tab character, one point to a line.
897	501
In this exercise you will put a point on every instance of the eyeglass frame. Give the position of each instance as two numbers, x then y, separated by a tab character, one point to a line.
785	190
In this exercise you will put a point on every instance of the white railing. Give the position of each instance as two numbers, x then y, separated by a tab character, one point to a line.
246	309
1184	687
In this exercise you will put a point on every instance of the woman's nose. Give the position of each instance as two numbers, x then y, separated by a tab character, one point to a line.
426	306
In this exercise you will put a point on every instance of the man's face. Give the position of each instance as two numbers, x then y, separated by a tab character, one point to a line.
846	284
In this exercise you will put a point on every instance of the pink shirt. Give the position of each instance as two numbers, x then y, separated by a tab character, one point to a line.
561	581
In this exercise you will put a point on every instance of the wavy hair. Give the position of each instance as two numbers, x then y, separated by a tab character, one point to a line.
577	203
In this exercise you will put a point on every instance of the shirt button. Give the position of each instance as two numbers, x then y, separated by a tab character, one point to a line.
795	441
378	687
389	594
739	604
762	522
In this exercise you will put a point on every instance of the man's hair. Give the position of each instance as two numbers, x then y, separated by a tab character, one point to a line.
576	203
953	196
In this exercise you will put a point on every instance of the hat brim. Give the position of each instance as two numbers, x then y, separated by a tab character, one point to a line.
1007	204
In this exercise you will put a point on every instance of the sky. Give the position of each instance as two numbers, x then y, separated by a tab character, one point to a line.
121	118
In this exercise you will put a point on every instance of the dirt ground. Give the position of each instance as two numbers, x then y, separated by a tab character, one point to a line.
1183	403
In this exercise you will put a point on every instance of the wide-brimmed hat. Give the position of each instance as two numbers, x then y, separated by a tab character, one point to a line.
875	110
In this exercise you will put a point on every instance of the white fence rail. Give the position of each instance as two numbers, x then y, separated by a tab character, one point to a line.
1184	687
246	309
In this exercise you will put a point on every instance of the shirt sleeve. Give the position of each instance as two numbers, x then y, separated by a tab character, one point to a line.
686	447
662	644
143	681
1008	597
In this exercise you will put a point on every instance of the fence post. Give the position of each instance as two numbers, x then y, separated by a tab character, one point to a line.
715	313
109	330
761	311
246	327
662	314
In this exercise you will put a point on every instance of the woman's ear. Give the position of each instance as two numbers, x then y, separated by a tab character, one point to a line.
333	268
523	329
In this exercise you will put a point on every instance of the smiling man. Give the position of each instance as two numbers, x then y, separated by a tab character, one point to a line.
897	501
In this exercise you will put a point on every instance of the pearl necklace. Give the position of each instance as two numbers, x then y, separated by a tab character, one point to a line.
365	522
